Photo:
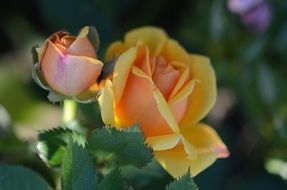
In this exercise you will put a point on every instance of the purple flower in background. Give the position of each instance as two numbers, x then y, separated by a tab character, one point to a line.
255	14
242	6
258	19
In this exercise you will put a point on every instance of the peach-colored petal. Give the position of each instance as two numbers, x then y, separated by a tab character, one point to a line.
153	37
165	111
121	71
145	112
183	93
178	108
82	45
178	102
106	103
203	95
143	60
165	76
183	79
64	73
205	139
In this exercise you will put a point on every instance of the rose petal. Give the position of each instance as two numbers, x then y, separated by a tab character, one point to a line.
165	76
178	108
173	51
143	60
106	103
205	139
82	45
153	37
64	73
164	142
121	71
180	83
114	50
165	110
203	95
144	112
199	149
183	93
176	162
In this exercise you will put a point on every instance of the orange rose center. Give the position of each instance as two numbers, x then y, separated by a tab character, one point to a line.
138	104
164	76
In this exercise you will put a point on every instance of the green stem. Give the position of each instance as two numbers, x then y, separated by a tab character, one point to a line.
69	111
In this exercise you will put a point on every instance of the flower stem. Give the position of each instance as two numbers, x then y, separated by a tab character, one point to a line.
69	111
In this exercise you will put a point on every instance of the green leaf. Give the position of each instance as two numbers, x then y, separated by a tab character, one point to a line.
52	144
18	177
183	183
78	169
127	146
113	180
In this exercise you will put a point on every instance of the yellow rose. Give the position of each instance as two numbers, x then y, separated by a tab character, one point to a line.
67	64
167	91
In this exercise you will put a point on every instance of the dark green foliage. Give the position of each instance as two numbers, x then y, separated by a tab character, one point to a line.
52	144
78	169
126	146
14	177
183	183
113	180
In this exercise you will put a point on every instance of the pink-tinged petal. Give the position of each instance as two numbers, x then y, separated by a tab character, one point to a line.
203	96
82	45
205	139
64	73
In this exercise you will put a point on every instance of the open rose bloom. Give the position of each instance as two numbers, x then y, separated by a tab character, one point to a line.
67	65
167	91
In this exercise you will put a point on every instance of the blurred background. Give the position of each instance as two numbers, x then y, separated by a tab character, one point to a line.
245	39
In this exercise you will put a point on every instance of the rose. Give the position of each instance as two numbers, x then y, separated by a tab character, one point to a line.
67	64
167	91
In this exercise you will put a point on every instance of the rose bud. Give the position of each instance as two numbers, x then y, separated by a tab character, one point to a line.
68	66
164	89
